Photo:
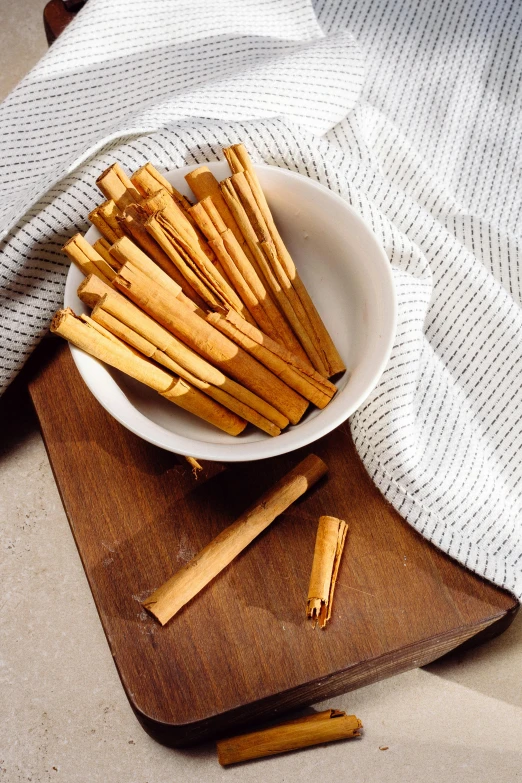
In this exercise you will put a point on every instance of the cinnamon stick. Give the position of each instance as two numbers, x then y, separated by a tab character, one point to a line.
239	160
215	230
97	295
202	337
329	544
272	361
147	180
103	247
262	267
180	220
111	351
124	250
326	726
148	349
276	276
303	368
203	183
116	185
169	242
167	600
88	259
105	218
133	222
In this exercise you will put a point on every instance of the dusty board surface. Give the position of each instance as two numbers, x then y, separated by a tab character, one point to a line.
243	650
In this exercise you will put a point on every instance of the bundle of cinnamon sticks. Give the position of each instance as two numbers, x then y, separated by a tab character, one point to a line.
202	302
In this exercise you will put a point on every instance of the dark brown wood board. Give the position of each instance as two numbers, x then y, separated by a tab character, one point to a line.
243	650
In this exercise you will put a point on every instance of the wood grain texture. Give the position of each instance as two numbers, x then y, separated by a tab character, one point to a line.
243	650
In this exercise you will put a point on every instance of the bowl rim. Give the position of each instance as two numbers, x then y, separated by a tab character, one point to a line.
271	447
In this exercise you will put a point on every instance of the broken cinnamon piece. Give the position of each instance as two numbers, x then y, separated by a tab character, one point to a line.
327	726
329	544
194	464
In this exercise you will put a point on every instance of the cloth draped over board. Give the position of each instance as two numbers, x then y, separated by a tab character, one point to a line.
411	112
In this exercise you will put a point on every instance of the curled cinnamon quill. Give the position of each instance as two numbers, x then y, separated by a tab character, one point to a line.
329	544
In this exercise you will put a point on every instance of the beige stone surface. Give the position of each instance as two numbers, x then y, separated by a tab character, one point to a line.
63	713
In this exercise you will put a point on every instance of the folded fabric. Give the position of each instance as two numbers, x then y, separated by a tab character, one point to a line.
416	126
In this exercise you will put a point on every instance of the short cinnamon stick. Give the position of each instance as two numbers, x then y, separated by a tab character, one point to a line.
327	726
165	602
329	544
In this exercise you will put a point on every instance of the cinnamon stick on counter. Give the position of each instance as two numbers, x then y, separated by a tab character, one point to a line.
327	726
329	544
167	600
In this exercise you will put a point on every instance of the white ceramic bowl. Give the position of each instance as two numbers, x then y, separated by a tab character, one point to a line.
348	276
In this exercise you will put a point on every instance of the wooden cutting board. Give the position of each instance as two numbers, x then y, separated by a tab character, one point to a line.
242	650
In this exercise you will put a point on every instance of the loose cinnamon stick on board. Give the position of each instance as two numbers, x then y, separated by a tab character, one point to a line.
239	160
133	222
327	726
147	180
88	259
329	544
256	410
116	185
165	602
194	464
206	340
66	324
105	218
